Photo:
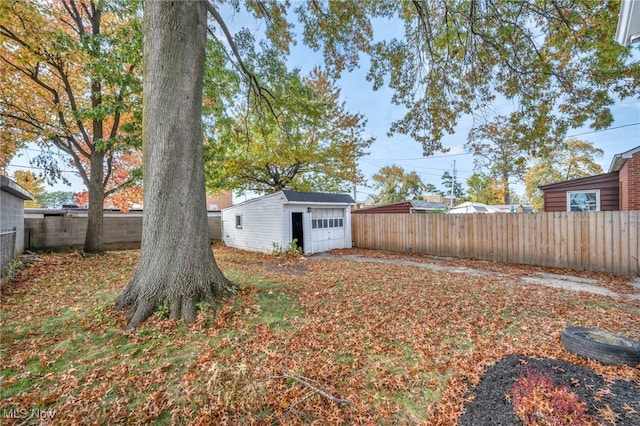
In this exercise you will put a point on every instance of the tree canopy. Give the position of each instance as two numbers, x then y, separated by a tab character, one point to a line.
73	83
573	160
482	188
394	185
556	62
307	142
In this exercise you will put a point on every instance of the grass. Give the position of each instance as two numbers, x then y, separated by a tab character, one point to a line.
400	343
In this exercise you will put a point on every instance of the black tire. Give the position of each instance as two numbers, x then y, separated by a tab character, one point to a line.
606	347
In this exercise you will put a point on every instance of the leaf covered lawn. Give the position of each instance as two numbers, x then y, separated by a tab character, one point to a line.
401	344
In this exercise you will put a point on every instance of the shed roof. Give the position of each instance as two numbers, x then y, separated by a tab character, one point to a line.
317	197
427	205
8	185
407	206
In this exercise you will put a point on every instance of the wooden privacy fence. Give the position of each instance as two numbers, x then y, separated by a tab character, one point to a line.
594	241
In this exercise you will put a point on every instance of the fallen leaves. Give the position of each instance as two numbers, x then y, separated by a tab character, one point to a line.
401	344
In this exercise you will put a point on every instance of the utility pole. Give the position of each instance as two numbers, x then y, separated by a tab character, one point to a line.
453	186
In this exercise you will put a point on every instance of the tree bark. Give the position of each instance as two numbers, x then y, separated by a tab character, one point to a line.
176	261
93	241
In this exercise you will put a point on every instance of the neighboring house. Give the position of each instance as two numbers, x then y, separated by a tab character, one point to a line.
512	208
628	30
627	164
317	221
12	198
219	201
619	189
473	207
409	206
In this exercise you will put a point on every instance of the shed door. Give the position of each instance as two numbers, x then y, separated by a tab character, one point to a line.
297	229
327	229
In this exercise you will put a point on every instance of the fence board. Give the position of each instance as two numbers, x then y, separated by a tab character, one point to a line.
634	242
606	241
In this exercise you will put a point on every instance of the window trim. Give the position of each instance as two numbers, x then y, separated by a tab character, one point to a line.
584	191
239	221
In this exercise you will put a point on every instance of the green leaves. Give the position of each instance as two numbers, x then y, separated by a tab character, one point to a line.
297	135
572	160
394	185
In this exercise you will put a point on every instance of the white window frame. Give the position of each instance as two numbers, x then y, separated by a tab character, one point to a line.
595	191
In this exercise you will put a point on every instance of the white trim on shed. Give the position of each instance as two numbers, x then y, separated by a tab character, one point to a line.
273	221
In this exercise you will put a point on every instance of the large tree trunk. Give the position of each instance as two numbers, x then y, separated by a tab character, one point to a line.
176	260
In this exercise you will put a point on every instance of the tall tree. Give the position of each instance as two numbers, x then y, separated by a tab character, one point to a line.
482	188
394	185
309	142
498	153
31	183
452	60
124	188
453	187
176	262
71	68
572	160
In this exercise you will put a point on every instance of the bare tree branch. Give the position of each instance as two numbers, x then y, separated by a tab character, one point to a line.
307	382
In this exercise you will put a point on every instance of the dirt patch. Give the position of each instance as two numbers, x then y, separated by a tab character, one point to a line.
609	401
289	268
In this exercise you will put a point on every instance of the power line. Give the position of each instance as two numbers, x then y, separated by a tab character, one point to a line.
37	168
603	130
421	158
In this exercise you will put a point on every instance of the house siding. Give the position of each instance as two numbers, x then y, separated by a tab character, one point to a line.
555	195
629	181
262	223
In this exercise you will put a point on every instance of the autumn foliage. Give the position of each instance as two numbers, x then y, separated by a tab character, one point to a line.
121	193
538	401
400	344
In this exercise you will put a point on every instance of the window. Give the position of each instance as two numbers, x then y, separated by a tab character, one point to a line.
583	201
327	223
238	221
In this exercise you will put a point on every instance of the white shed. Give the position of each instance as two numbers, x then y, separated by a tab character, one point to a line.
317	221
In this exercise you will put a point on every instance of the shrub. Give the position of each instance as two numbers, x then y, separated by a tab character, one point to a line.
539	401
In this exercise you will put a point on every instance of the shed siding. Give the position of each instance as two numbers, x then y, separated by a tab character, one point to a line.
267	222
262	223
555	196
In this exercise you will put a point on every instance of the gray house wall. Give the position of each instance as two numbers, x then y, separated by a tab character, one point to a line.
12	197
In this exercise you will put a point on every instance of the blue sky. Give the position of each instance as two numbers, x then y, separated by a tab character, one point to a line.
401	150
